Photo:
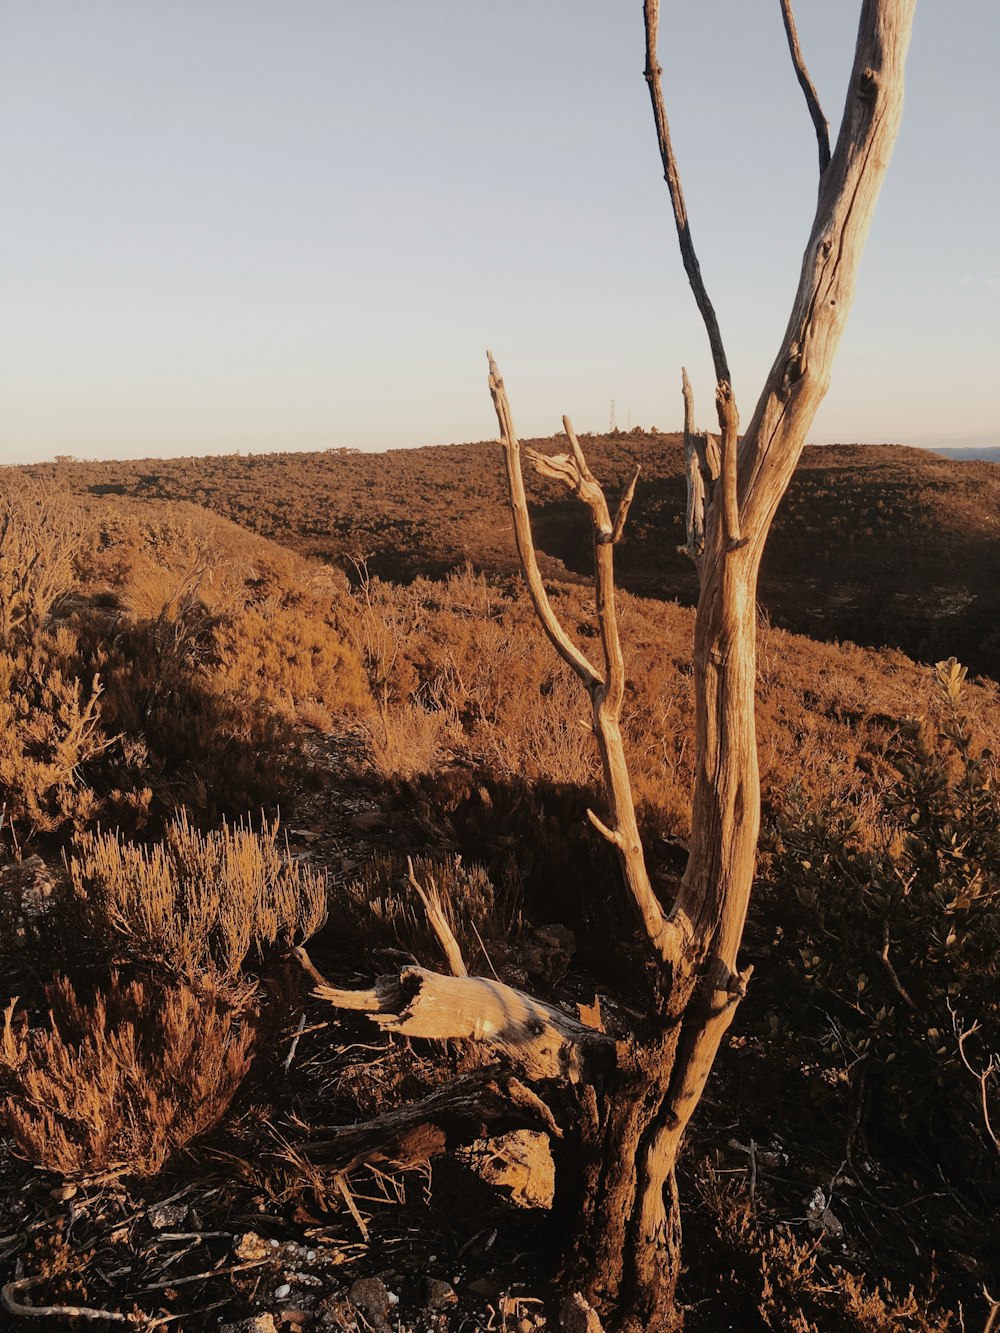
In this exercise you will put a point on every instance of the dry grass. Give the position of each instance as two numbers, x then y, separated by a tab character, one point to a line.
122	1082
195	903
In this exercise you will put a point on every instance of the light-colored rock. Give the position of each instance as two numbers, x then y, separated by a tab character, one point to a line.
166	1216
258	1323
520	1163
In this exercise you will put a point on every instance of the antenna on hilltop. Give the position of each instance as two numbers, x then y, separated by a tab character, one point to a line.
614	420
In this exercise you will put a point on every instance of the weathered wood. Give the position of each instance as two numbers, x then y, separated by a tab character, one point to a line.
433	906
465	1109
820	122
694	519
627	1244
538	1038
606	691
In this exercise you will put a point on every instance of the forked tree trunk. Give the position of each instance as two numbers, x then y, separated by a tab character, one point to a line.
621	1109
626	1256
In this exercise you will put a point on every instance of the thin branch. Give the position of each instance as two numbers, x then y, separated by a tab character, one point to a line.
614	838
434	908
982	1076
12	1290
822	125
694	521
561	641
893	976
624	505
671	175
729	421
574	444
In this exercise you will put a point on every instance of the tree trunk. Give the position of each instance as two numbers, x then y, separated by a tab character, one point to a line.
618	1196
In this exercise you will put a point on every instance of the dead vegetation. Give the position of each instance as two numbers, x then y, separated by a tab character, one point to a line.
182	1065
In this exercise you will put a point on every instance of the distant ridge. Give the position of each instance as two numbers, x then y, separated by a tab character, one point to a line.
877	544
971	454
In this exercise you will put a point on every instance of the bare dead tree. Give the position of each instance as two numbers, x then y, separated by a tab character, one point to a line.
623	1105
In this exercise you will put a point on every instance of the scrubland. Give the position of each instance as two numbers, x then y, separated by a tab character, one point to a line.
214	748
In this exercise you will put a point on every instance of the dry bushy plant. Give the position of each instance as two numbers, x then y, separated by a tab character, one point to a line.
195	903
408	740
289	658
383	908
768	1279
50	728
119	1083
40	532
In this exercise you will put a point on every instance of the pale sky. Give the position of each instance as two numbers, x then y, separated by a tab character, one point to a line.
297	224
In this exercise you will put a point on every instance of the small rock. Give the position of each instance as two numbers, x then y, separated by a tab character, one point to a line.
439	1294
160	1216
371	1296
520	1163
820	1218
258	1323
251	1246
281	1293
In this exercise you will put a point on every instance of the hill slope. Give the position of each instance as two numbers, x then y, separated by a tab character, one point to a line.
882	545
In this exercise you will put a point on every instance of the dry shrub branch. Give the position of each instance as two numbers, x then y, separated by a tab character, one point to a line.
195	903
121	1082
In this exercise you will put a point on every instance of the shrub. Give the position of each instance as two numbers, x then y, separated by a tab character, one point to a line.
769	1279
289	659
39	537
122	1082
891	921
195	903
382	907
50	727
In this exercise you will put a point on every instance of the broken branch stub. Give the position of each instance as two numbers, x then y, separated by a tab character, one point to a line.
536	1037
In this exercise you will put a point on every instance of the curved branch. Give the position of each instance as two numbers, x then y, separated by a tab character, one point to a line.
671	175
561	641
820	121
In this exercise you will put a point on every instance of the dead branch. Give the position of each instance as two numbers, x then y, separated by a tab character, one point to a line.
12	1290
624	505
608	691
982	1076
820	122
893	975
536	1037
561	641
694	524
407	1135
671	175
433	906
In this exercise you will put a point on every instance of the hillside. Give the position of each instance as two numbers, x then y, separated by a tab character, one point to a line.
879	545
172	683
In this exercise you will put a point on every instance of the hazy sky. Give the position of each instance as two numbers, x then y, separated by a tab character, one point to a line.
291	224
